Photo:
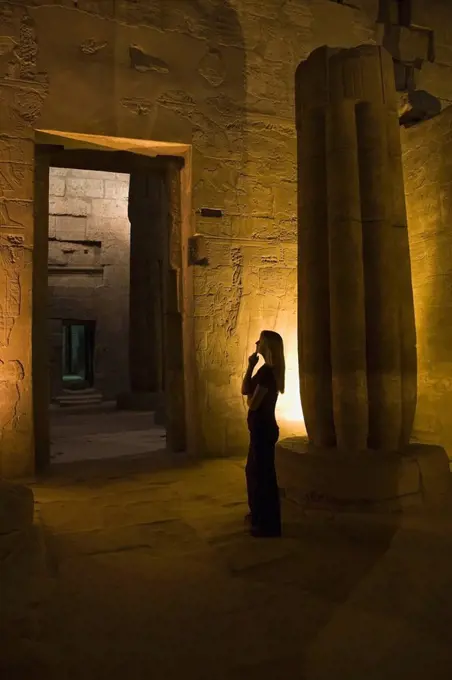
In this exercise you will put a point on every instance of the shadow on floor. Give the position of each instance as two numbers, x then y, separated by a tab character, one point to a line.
153	574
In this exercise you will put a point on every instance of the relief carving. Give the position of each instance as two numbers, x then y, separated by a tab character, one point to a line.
28	105
14	215
237	291
24	53
15	180
212	67
13	150
140	107
142	61
11	266
27	50
7	47
92	46
175	217
11	375
177	101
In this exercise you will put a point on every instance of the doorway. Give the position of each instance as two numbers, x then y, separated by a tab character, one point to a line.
78	354
146	407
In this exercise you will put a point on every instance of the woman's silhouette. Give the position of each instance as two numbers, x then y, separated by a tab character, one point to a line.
262	391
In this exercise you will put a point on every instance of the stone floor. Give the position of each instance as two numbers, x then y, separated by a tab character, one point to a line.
102	432
141	569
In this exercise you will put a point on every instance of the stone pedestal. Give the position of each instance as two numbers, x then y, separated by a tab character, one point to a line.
372	481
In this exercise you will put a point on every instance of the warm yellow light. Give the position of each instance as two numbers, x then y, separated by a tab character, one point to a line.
289	404
289	409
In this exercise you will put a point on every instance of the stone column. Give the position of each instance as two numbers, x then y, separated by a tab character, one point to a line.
40	335
21	103
147	226
371	331
313	285
347	311
406	317
366	338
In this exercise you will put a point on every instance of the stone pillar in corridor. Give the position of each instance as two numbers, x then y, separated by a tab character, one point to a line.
21	100
357	341
147	217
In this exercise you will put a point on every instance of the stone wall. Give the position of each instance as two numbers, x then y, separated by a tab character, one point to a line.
219	75
89	257
428	179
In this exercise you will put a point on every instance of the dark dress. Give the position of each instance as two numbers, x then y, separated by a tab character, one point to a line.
262	486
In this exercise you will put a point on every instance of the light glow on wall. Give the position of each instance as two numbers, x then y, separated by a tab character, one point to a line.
289	410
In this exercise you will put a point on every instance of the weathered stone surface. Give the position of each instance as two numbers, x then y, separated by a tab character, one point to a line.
212	67
13	262
92	46
141	61
374	591
323	478
356	328
428	181
238	117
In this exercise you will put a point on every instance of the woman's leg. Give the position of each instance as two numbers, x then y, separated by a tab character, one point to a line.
266	512
251	482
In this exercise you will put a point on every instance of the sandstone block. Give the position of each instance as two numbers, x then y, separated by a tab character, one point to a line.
84	188
324	478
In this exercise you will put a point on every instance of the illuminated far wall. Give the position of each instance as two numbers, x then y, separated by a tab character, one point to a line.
427	155
89	269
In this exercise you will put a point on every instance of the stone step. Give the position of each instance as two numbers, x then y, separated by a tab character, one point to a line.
79	398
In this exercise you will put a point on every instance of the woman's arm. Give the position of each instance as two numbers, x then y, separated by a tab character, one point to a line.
246	383
255	400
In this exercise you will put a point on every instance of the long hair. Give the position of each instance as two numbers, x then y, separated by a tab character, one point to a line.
275	357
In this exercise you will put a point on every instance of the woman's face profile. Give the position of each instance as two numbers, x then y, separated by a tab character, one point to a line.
260	345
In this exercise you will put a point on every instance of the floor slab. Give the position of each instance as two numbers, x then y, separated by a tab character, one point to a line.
153	575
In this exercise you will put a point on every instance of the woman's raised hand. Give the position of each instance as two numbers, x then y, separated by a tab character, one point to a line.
253	360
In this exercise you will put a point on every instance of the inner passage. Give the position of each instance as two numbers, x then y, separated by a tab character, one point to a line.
89	248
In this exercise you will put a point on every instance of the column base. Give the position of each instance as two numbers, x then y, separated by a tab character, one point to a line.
370	481
140	401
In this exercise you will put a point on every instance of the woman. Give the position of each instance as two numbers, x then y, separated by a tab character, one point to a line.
262	391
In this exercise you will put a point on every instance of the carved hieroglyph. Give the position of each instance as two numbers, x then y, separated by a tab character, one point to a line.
11	375
22	91
11	266
357	339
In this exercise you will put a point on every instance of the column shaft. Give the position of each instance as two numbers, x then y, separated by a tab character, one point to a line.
17	440
313	280
347	311
380	272
146	218
407	324
41	322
